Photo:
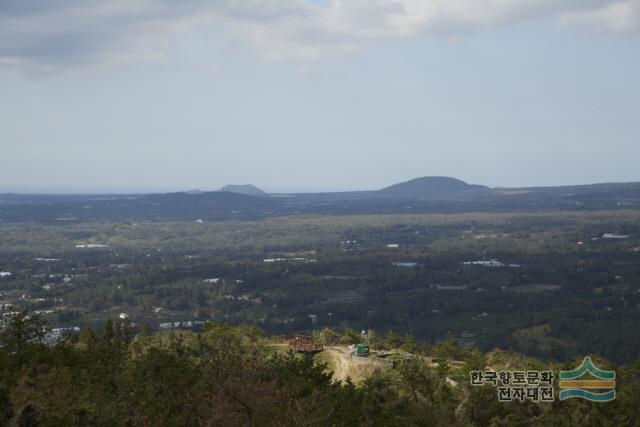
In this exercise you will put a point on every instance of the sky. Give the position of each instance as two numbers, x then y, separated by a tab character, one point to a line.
302	95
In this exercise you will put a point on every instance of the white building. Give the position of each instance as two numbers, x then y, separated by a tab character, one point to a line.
615	236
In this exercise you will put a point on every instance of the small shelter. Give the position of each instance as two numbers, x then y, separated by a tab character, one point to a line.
302	343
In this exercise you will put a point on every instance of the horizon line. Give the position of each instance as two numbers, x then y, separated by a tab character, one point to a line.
115	191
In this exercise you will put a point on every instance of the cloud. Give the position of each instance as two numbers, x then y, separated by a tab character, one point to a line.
36	35
48	35
615	17
344	25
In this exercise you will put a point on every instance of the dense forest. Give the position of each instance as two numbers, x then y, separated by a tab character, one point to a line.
236	376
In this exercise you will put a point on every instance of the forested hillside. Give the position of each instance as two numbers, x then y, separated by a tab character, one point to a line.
235	376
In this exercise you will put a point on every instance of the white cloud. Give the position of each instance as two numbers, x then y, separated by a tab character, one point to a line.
615	17
74	32
342	26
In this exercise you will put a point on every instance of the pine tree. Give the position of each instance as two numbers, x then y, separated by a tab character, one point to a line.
107	335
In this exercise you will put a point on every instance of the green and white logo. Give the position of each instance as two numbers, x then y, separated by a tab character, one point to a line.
572	385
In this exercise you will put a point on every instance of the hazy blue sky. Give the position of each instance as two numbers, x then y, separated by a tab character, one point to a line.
142	95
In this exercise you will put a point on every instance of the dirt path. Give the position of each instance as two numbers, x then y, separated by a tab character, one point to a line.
346	366
339	360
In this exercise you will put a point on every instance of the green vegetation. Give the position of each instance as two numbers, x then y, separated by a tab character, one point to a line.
227	375
514	231
559	291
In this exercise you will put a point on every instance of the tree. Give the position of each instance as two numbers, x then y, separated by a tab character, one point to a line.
416	377
107	335
20	330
